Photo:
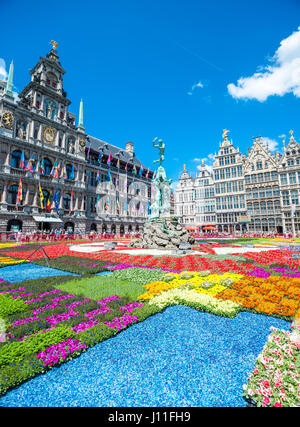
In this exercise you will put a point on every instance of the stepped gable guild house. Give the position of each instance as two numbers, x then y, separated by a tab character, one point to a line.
53	174
257	192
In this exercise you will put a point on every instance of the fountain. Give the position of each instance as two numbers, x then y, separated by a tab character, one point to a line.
161	230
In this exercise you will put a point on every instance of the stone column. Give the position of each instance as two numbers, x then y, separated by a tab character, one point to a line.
4	197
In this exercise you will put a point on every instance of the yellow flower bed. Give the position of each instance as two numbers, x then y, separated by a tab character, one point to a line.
7	260
156	288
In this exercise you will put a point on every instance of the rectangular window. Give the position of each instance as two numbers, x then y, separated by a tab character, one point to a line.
292	177
283	179
285	198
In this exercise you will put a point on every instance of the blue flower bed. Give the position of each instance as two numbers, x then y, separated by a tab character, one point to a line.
20	272
180	357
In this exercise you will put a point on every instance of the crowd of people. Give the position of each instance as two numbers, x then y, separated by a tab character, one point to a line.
60	234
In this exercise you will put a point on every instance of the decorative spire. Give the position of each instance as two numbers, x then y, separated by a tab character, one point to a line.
291	132
9	84
80	121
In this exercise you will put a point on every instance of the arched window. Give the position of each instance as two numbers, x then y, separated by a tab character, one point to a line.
51	80
15	159
122	229
70	172
93	227
113	228
69	227
14	225
66	201
47	166
12	194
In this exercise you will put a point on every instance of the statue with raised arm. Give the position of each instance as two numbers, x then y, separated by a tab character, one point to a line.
161	147
161	230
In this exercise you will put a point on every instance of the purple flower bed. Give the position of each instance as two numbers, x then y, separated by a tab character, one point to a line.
116	267
260	273
58	352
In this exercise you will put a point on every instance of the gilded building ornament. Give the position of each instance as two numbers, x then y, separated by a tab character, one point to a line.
49	134
7	119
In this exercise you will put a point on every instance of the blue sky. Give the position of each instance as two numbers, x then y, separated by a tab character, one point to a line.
167	68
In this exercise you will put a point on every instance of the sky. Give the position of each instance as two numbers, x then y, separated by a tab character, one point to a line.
178	70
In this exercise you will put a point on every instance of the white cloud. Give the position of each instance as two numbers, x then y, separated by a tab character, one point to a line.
198	85
272	144
279	77
3	72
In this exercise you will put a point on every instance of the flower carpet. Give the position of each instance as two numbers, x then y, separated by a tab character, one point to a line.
199	313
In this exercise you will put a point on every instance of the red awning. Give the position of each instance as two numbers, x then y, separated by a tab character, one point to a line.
210	228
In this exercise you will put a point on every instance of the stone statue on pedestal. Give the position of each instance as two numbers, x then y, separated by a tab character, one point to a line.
161	231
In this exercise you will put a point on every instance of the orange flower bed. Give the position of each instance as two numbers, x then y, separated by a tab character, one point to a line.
276	296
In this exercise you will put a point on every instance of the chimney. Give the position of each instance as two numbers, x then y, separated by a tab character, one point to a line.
130	148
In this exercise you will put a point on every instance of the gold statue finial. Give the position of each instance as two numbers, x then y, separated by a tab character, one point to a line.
225	132
184	167
54	44
291	132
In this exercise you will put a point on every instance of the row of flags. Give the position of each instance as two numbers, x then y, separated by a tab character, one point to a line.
44	205
32	166
134	208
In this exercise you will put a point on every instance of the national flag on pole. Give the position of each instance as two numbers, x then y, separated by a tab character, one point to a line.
48	205
134	170
148	209
41	196
100	156
97	176
20	194
56	199
71	203
65	175
108	178
109	159
118	163
141	170
22	161
106	206
117	183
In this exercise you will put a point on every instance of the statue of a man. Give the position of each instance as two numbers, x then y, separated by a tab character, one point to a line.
161	147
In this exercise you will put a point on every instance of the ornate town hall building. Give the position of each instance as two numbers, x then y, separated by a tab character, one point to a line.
52	173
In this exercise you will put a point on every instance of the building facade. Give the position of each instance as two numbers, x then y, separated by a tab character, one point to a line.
258	192
53	174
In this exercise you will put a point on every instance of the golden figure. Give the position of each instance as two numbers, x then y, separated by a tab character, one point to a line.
225	132
54	44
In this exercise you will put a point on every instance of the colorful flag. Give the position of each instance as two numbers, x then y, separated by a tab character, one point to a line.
108	178
22	161
56	199
118	163
149	210
100	156
42	167
118	205
117	183
154	175
48	205
20	194
147	174
41	196
134	169
141	170
97	176
106	206
65	175
109	159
